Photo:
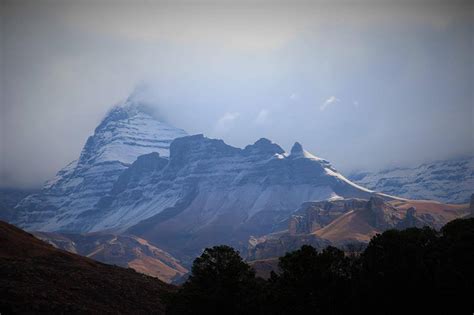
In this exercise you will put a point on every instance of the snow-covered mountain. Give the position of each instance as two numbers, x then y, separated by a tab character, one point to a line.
204	189
128	131
141	176
449	181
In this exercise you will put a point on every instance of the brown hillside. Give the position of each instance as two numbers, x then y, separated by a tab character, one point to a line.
121	250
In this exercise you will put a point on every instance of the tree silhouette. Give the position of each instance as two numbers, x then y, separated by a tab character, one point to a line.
220	282
410	271
311	282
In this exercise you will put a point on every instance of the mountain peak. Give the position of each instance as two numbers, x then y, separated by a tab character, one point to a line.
138	102
127	131
264	146
297	148
297	152
262	141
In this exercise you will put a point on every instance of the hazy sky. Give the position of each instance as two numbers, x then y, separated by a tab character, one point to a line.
366	85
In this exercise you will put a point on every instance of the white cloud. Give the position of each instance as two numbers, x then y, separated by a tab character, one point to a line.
330	101
226	122
262	117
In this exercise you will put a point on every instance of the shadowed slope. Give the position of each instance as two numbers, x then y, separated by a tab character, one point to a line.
36	277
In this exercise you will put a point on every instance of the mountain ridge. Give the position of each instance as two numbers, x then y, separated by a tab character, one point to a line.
139	176
198	188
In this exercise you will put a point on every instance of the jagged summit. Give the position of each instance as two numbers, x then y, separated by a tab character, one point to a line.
264	146
297	151
127	109
127	131
297	148
139	102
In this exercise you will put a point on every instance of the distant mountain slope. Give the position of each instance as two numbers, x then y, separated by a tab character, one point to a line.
121	250
35	277
450	181
128	131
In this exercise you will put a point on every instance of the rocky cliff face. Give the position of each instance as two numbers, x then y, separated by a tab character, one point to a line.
314	215
382	216
450	181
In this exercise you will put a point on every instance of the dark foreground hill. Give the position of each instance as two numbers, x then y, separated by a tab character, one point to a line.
35	277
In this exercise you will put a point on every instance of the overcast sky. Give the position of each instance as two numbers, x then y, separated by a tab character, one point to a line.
366	85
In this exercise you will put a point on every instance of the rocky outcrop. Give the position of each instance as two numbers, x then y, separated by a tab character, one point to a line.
278	245
382	215
311	217
315	215
296	225
411	219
